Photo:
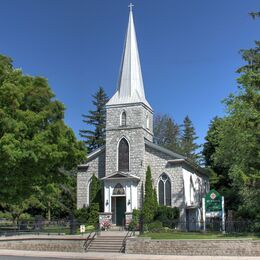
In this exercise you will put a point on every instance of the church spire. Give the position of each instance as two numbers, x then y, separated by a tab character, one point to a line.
130	87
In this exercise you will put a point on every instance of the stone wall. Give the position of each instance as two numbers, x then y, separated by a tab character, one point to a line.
95	166
44	244
135	131
193	247
158	161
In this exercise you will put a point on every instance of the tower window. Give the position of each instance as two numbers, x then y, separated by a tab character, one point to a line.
164	190
123	119
123	155
147	122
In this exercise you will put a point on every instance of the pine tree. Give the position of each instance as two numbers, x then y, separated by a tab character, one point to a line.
150	200
166	132
94	137
188	137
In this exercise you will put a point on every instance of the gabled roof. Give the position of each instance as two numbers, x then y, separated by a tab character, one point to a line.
130	87
121	175
163	150
92	155
177	158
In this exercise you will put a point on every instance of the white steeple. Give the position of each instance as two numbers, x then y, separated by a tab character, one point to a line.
130	87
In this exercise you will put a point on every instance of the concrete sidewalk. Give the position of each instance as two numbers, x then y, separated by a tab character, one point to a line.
114	256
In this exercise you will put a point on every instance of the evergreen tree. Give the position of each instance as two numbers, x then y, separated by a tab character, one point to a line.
188	137
95	190
219	178
150	200
239	142
94	137
166	132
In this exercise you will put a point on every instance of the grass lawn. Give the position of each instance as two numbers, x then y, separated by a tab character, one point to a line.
198	235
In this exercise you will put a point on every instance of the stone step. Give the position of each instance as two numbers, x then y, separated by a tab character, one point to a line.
105	250
103	247
106	244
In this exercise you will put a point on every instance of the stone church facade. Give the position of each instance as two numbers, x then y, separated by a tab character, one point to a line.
122	163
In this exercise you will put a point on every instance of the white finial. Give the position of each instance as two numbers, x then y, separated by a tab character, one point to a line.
131	7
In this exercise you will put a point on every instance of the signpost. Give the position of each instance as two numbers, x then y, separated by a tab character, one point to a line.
82	229
213	206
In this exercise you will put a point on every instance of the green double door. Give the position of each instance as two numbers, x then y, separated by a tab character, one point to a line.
120	210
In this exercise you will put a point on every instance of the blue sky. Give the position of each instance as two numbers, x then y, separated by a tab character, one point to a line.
188	50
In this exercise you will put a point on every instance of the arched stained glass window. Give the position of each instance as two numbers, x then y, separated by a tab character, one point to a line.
164	190
123	156
118	190
123	119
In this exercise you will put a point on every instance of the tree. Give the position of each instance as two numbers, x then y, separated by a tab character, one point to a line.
166	132
94	137
150	200
95	191
35	143
188	137
219	179
239	143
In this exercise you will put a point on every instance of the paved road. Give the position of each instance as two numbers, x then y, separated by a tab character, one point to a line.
41	255
28	258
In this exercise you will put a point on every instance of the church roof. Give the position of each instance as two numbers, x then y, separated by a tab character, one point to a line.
130	87
177	158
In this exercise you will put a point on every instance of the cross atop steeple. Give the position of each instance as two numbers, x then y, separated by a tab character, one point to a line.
131	7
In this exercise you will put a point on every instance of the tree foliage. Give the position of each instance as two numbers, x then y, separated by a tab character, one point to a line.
94	136
188	138
219	179
150	199
177	138
167	132
237	144
95	192
35	143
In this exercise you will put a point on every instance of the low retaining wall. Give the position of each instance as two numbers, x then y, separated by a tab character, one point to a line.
35	243
193	247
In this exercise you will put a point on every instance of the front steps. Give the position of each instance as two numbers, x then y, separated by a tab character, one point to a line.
107	243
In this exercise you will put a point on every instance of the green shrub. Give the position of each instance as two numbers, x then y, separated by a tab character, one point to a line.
134	225
150	201
25	217
89	215
167	215
6	215
155	226
82	215
93	214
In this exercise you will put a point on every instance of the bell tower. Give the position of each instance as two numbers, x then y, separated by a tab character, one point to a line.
129	116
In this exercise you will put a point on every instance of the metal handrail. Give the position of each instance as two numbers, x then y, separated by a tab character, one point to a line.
89	239
128	234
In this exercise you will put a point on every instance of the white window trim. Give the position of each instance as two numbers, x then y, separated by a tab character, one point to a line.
164	190
117	152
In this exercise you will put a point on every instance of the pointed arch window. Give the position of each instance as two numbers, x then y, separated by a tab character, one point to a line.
123	155
164	190
123	119
192	191
147	122
118	190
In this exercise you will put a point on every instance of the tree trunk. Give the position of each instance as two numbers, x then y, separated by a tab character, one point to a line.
49	211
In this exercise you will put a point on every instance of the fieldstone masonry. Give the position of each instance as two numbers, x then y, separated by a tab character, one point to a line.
193	247
95	166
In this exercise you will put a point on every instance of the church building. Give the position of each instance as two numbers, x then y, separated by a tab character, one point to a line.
121	164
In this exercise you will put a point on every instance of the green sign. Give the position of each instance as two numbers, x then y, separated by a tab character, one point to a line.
213	201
